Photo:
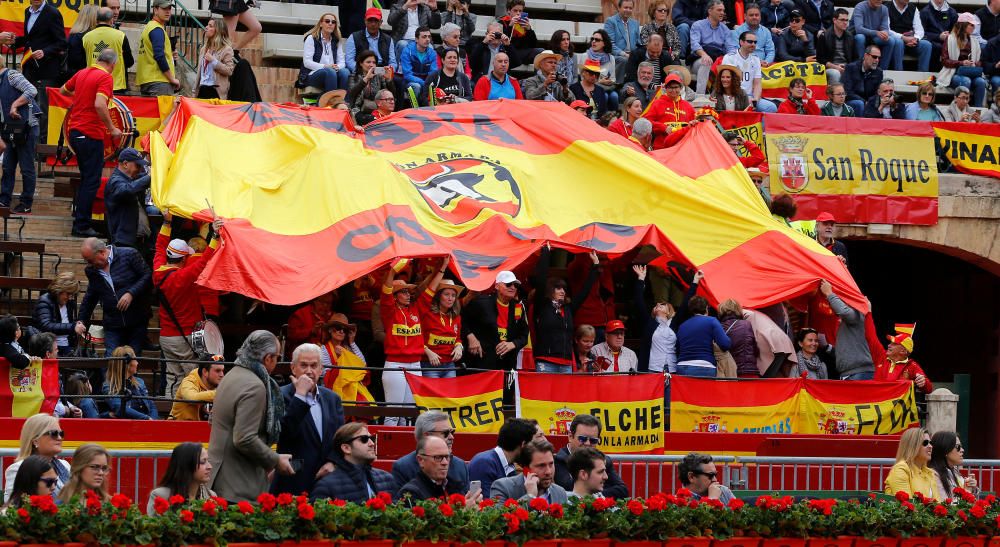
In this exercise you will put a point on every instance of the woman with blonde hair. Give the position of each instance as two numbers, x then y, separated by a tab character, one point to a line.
631	111
55	312
661	22
132	402
217	61
911	473
583	344
76	54
40	436
91	465
323	62
743	346
658	346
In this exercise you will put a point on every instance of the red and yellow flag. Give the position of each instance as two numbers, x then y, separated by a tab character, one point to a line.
971	147
147	111
872	408
12	14
906	328
775	79
474	403
630	407
30	390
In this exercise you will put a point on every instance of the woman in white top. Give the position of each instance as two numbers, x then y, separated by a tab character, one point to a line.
187	475
662	338
40	436
323	62
217	61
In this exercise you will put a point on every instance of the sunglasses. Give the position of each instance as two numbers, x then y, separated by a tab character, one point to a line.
511	284
959	448
596	39
49	483
338	328
874	56
444	432
711	475
438	458
927	442
750	41
585	439
54	433
365	439
334	21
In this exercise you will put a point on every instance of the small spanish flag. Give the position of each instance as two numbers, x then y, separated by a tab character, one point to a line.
906	328
26	58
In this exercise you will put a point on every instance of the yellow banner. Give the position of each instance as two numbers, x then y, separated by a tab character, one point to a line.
775	78
779	418
884	417
12	12
474	403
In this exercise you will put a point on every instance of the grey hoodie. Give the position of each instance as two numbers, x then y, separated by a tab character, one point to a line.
853	355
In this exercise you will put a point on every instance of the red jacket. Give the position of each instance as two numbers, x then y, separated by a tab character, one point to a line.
302	326
906	371
756	156
664	111
404	340
441	331
618	126
177	287
812	109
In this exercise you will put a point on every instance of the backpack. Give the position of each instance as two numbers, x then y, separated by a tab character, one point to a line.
243	83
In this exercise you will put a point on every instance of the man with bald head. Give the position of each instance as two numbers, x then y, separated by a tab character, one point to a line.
119	280
434	458
653	53
106	35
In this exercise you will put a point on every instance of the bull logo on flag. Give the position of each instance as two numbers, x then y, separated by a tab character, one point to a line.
794	173
458	190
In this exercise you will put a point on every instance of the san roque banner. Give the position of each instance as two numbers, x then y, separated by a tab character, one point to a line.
972	148
30	390
883	173
776	77
474	403
630	407
791	406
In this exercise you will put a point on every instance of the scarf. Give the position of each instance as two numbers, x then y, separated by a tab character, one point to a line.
602	57
800	106
944	77
275	403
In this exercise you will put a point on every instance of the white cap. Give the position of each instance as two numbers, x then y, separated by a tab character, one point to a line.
507	277
179	248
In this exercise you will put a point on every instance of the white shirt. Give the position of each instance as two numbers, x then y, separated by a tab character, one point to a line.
412	22
315	410
749	66
33	15
329	56
63	339
918	27
207	77
508	467
627	359
663	347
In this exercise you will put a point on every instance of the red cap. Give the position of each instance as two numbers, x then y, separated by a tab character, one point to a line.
614	325
373	13
672	78
579	104
825	217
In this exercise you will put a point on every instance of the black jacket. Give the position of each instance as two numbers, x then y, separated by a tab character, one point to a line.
348	482
871	109
46	317
816	20
554	331
647	323
48	34
860	86
991	56
422	487
790	48
639	55
300	438
130	274
614	487
122	199
406	468
480	318
689	11
14	357
935	22
480	59
825	48
989	24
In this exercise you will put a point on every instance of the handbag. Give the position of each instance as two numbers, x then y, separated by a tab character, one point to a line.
725	365
14	130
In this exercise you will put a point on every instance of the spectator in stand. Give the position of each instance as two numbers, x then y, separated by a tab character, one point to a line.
562	44
600	54
589	89
306	324
683	15
947	455
324	63
653	53
43	346
537	481
371	38
199	385
631	111
441	319
884	105
826	223
106	34
854	358
669	112
658	351
498	462
118	279
958	110
246	422
774	15
699	475
76	56
406	17
764	48
312	414
583	345
187	475
589	471
36	476
612	355
354	478
485	53
451	35
517	25
498	84
660	22
728	93
404	343
905	25
365	85
910	473
937	18
385	104
154	71
40	437
989	21
819	15
708	42
836	104
642	135
755	156
862	79
217	61
800	99
433	424
55	312
431	480
496	326
623	29
923	108
796	44
546	84
457	13
894	364
17	101
88	125
809	364
127	220
418	60
990	59
749	67
835	46
695	336
993	114
88	473
743	343
128	394
870	20
75	391
553	313
960	58
643	87
585	434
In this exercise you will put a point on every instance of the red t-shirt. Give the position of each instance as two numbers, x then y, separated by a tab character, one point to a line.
404	340
86	85
441	330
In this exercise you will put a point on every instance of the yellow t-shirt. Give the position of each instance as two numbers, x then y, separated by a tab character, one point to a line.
904	477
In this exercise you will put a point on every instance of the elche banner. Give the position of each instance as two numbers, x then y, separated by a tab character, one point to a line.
972	148
473	403
884	173
12	13
630	408
29	391
776	77
787	406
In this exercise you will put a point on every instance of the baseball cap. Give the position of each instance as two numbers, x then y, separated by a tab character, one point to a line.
614	325
579	104
131	154
672	78
825	217
904	340
179	248
373	13
507	277
163	3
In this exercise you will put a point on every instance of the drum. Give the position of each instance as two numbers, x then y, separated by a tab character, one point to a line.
207	339
122	118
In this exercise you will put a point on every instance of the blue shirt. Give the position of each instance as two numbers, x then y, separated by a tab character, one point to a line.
315	410
107	274
765	44
868	21
501	90
351	53
33	15
695	337
702	34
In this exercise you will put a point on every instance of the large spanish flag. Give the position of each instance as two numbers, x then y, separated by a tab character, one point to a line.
30	390
488	183
474	403
630	407
856	408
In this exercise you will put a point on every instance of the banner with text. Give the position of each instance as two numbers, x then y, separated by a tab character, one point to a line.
749	125
29	391
787	406
883	173
776	77
630	407
971	147
474	403
12	13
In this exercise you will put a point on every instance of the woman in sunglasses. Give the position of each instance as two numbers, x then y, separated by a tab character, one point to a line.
911	474
947	455
35	477
40	436
91	465
323	62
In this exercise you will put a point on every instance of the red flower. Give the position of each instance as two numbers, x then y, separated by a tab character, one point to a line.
446	510
539	504
486	503
245	507
902	496
386	497
306	511
736	504
338	503
961	514
285	499
692	504
376	504
93	506
513	523
656	502
186	516
176	499
941	510
45	504
908	506
990	499
419	512
511	502
522	514
458	500
556	510
23	514
763	501
121	501
684	493
301	498
209	508
635	507
267	502
978	512
221	502
160	505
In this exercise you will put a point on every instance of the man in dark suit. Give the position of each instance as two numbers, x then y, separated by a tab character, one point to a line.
861	78
354	478
585	431
118	279
494	340
538	480
431	481
653	53
312	414
433	423
498	462
45	35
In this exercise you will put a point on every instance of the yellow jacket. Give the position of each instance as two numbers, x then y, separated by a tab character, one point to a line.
904	477
193	389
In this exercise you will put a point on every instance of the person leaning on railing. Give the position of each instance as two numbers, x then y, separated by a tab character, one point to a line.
911	474
131	401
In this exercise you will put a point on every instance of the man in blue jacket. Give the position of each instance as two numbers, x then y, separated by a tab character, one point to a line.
118	279
123	196
624	32
419	60
437	424
862	78
498	462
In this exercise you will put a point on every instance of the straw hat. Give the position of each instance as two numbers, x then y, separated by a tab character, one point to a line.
340	320
331	99
545	55
449	284
682	70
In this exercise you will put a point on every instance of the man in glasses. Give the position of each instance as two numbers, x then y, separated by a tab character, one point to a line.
894	363
354	479
835	47
861	79
433	424
431	481
749	65
585	432
496	326
699	475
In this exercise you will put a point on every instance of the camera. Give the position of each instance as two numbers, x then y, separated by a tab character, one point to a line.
562	80
497	35
380	71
